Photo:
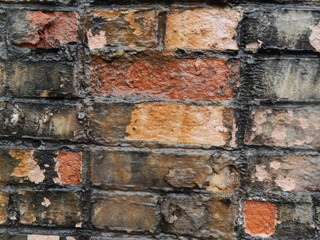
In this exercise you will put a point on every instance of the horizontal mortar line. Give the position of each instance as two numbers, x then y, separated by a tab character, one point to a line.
257	103
165	2
279	55
274	53
272	4
47	146
121	143
13	188
148	234
42	6
277	148
56	230
66	101
161	192
281	196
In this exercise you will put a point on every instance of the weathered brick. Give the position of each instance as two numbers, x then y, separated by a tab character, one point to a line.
164	77
203	28
4	200
52	208
41	79
259	218
295	221
182	124
40	120
169	123
37	29
132	28
287	79
292	29
285	172
200	215
126	211
40	166
134	168
283	127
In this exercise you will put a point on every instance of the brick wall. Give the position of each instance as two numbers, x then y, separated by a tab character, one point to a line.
170	120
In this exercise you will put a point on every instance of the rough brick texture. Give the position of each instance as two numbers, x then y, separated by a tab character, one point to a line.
168	120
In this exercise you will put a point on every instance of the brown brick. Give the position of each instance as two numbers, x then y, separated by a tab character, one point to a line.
133	28
40	120
52	208
200	215
134	168
37	29
165	78
295	220
41	79
203	29
4	200
126	211
182	124
259	218
284	127
288	173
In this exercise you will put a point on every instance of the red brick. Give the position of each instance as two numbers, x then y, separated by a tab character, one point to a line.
203	29
259	218
69	167
165	78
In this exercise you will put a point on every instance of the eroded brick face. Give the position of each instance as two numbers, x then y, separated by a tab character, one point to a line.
132	28
203	29
287	173
284	127
68	167
181	124
38	29
165	78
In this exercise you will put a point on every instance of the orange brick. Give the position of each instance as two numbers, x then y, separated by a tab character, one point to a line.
203	29
260	218
182	124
